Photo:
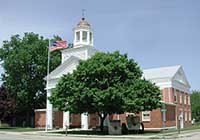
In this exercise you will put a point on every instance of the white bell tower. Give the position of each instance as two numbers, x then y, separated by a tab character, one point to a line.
83	34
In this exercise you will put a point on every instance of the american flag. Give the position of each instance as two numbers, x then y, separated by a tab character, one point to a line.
57	45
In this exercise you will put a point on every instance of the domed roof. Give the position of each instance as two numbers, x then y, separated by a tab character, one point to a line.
83	23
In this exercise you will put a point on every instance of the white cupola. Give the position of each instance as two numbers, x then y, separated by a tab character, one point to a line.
83	34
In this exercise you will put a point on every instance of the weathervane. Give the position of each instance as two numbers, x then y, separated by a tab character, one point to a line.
83	14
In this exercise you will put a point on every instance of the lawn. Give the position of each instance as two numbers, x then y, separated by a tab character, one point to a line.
19	129
92	132
194	127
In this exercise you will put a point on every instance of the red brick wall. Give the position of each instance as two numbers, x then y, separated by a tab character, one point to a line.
58	119
156	115
168	96
75	120
40	119
156	119
93	120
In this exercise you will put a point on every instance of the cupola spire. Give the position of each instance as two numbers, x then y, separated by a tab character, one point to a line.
83	14
83	33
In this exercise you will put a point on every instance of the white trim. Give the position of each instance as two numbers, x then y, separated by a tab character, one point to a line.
39	110
50	87
167	103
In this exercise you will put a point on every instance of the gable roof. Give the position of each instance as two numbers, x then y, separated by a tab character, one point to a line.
161	72
172	73
60	70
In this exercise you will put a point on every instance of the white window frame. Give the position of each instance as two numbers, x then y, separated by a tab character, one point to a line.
146	118
78	36
186	118
188	99
84	38
175	96
185	98
190	116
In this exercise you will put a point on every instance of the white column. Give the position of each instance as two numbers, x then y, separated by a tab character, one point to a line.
88	37
92	38
66	116
81	36
84	121
75	37
49	112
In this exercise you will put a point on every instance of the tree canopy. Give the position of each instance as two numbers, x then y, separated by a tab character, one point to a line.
106	83
195	98
24	60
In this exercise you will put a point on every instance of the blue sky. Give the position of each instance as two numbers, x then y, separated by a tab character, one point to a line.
153	32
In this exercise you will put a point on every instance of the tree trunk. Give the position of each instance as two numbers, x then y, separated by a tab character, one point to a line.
102	118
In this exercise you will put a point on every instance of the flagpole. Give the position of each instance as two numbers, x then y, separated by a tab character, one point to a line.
47	84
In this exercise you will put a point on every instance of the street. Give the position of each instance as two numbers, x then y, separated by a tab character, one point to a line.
28	136
193	135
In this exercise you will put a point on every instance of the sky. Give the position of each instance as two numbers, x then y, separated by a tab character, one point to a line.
155	33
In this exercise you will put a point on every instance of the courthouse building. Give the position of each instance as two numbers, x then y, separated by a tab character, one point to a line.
172	81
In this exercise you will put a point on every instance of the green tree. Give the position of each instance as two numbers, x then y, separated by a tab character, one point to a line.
195	104
25	65
106	83
7	104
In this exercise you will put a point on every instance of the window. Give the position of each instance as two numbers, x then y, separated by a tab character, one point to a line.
84	37
185	96
181	98
90	37
189	115
77	36
175	96
186	115
188	99
146	116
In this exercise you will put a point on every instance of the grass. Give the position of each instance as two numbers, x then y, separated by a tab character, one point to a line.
81	132
194	127
92	132
19	129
